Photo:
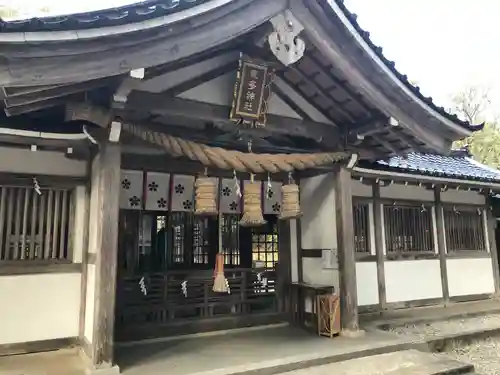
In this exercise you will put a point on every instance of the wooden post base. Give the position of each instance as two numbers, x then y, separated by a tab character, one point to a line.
350	334
113	370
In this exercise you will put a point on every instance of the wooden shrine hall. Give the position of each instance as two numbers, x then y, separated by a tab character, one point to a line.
159	164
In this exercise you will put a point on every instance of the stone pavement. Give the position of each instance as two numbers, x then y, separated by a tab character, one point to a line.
266	351
408	362
60	362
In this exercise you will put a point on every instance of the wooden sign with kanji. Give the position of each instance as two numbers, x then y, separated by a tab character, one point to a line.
252	90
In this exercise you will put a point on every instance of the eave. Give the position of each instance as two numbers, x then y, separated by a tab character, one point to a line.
68	63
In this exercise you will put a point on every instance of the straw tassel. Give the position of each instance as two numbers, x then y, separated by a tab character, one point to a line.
290	205
252	206
205	196
221	285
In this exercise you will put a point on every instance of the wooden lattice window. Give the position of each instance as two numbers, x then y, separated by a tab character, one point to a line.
190	239
361	227
34	226
265	243
465	230
230	228
408	228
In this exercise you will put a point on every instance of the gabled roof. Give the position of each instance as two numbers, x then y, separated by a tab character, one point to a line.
458	165
67	50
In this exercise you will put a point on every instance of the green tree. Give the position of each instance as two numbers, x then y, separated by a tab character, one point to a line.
6	12
484	145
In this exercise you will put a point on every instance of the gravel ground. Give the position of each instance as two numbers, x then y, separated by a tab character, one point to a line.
483	354
449	327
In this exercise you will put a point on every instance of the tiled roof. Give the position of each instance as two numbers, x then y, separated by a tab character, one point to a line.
458	165
137	12
403	78
156	8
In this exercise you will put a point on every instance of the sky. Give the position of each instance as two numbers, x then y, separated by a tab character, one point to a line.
442	45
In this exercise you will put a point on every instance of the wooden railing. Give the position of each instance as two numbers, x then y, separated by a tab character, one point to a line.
163	298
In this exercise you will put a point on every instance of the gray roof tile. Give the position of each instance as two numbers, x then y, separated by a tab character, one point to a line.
458	165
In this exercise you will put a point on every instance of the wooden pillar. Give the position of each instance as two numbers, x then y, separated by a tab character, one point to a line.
284	265
378	222
106	246
346	255
492	241
441	241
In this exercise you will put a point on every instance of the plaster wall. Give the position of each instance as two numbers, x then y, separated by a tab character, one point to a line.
318	227
39	307
470	276
367	284
412	280
44	306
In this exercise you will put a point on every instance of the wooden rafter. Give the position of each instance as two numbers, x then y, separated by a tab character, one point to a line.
351	93
159	104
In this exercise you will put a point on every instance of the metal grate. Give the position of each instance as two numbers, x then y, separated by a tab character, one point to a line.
231	239
408	229
464	229
34	226
361	227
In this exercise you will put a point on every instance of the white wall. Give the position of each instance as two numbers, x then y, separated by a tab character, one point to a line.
23	160
412	280
318	228
367	284
39	307
470	276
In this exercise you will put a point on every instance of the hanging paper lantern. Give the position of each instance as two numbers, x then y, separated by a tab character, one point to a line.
205	196
290	206
252	207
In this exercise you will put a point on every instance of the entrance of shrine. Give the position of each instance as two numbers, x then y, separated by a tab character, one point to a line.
166	263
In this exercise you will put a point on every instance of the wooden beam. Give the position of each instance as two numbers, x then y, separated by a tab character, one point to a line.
87	112
378	222
107	255
27	108
55	92
358	98
346	255
441	242
408	140
386	144
492	225
160	104
121	94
